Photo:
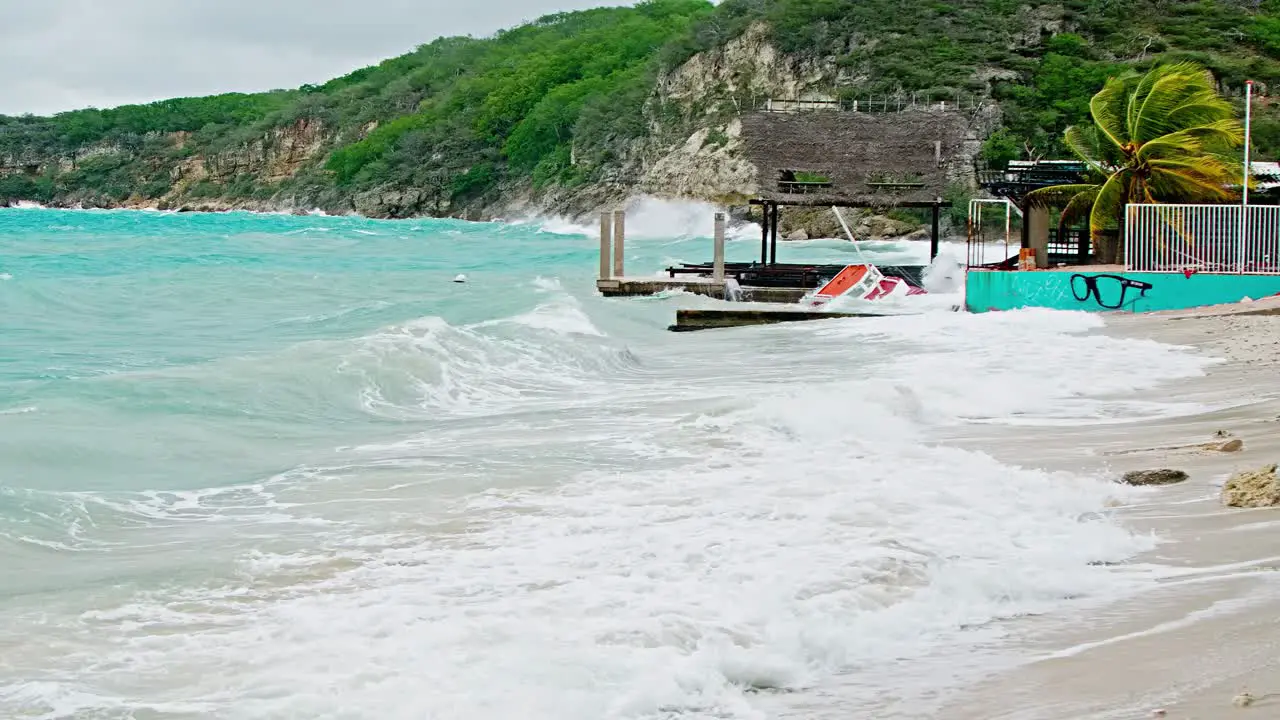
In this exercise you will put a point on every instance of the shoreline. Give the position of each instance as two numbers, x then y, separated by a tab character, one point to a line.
1202	632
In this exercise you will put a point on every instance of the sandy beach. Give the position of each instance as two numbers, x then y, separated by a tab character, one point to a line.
1202	640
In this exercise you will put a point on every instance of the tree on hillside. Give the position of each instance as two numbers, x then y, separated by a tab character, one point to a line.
1166	136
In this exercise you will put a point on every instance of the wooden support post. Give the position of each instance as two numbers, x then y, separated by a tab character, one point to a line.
1026	227
619	240
606	247
717	253
773	250
933	234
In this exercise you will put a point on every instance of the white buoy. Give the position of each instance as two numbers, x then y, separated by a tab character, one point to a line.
460	278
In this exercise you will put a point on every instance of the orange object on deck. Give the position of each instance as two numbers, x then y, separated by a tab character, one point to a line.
1027	259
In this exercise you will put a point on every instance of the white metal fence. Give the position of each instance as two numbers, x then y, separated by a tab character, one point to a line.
1206	238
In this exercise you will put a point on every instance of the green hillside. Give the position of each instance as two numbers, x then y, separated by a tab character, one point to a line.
558	104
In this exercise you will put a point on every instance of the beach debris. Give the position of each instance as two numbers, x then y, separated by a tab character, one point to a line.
460	278
1252	489
1231	446
1163	476
1243	700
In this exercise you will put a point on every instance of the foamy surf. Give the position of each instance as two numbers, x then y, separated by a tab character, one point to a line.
374	496
650	219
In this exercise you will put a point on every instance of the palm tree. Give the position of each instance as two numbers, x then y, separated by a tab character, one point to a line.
1159	137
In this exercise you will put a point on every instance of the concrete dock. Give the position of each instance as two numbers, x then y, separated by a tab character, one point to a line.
689	320
709	287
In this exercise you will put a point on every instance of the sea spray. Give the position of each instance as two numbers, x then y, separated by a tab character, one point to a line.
653	219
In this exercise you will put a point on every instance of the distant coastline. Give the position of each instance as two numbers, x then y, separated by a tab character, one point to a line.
578	111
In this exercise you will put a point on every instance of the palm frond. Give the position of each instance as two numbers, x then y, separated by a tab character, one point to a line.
1088	145
1078	208
1194	141
1172	97
1204	109
1109	108
1190	181
1056	195
1108	204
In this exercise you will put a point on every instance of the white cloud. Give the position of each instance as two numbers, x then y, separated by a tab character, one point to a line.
62	54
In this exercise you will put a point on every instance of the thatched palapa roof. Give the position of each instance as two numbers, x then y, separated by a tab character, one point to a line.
869	159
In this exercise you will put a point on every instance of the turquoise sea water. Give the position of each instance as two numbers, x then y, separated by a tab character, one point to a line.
260	466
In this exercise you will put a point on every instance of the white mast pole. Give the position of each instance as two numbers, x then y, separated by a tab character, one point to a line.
1244	193
1248	105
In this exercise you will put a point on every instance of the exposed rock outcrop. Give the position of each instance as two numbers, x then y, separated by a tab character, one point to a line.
708	166
1231	446
1155	477
1252	489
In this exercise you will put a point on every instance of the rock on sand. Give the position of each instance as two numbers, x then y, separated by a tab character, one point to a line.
1155	477
1252	489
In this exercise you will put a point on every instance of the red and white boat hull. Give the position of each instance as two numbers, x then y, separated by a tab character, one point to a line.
864	282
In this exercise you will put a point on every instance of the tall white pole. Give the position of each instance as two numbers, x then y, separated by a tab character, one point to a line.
1244	193
1248	106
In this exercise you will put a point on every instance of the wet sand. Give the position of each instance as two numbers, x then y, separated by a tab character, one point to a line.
1205	629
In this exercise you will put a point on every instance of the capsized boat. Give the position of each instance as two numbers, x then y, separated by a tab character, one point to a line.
863	282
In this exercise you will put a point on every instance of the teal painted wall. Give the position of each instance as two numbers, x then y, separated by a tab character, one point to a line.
988	290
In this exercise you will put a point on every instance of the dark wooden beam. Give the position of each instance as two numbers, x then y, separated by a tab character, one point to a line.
764	233
773	249
933	232
688	320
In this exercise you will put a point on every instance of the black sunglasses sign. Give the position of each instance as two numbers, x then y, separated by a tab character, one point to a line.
1109	291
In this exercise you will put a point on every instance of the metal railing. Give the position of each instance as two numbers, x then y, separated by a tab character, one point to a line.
906	102
983	249
1208	238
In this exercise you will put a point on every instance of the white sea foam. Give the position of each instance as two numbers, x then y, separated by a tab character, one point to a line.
680	524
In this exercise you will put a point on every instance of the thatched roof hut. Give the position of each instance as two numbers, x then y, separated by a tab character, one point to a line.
858	159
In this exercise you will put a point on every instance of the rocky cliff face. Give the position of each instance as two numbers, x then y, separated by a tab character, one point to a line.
696	150
701	154
272	157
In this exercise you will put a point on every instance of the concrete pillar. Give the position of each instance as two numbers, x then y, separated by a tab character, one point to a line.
606	247
1037	222
619	240
717	257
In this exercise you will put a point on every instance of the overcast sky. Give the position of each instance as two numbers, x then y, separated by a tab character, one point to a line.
63	54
